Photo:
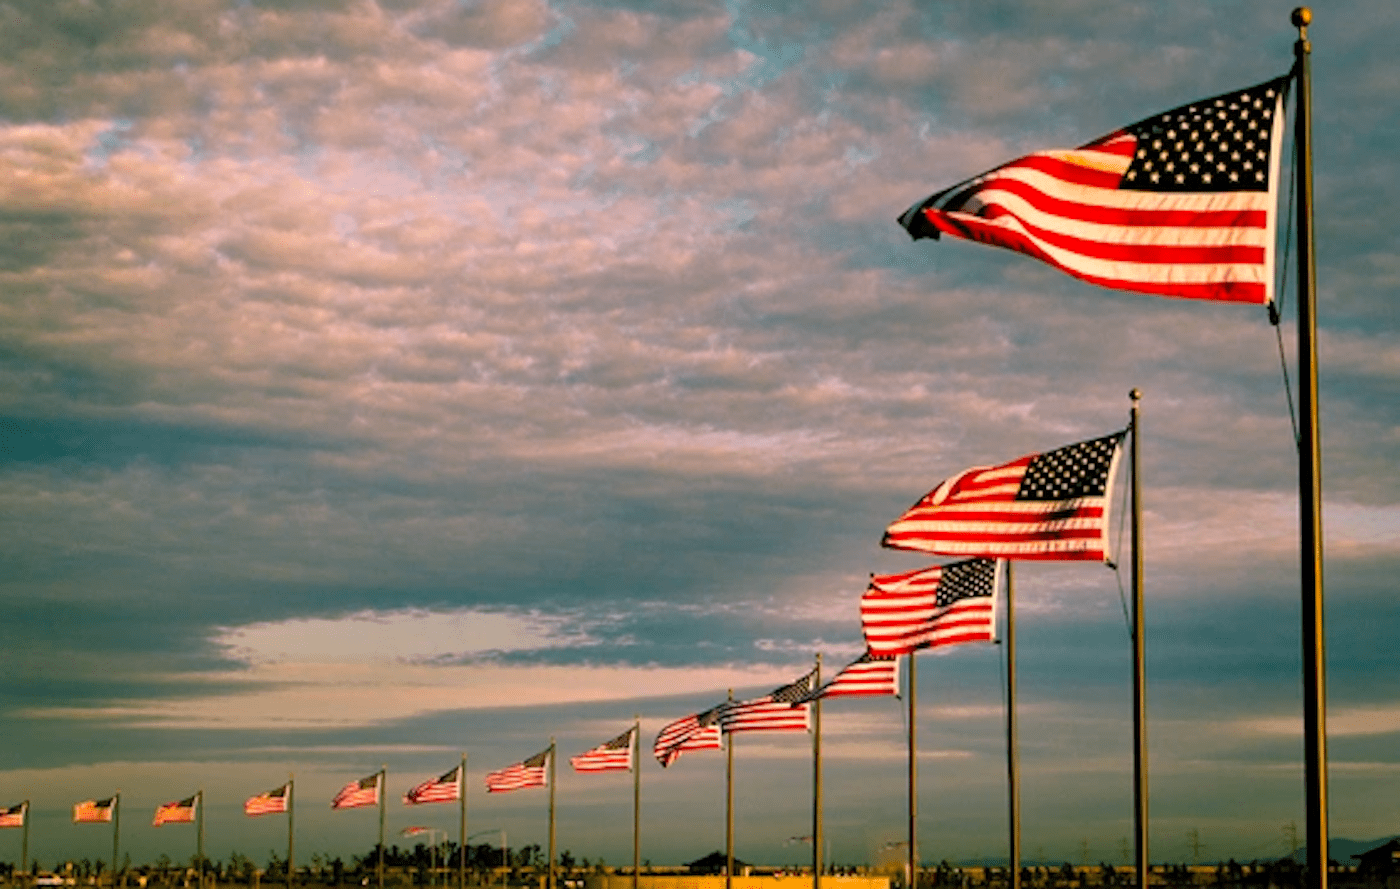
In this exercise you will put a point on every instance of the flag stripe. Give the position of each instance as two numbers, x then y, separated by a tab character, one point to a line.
865	677
359	794
272	802
443	789
14	816
930	607
777	711
699	731
533	772
612	756
179	812
1180	204
1051	506
94	811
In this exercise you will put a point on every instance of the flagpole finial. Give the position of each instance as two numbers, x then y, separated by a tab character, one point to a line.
1135	395
1301	18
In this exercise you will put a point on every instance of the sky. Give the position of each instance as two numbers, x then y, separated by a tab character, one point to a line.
383	381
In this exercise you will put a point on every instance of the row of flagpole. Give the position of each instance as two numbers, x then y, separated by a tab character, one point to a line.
1199	221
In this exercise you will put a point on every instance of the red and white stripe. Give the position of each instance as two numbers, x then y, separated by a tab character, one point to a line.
443	789
14	815
94	811
358	794
273	802
766	715
868	676
533	772
899	614
180	812
1066	209
613	756
699	731
976	513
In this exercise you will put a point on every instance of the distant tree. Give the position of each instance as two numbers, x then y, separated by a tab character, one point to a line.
566	861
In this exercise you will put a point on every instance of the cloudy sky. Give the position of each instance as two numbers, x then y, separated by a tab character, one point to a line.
387	380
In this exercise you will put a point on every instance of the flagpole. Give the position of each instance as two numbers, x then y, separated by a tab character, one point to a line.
817	778
729	807
24	844
913	781
116	831
1013	741
379	869
636	800
199	844
1310	477
1140	789
291	833
462	825
551	813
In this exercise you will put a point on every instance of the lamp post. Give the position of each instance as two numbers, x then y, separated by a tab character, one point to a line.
432	833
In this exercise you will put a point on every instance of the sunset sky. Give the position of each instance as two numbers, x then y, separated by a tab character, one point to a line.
383	381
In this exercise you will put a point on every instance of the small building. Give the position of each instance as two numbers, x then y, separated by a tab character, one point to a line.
1382	861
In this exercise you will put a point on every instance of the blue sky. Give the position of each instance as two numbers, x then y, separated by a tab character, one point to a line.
383	381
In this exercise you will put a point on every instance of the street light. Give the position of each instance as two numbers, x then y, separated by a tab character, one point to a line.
432	833
505	864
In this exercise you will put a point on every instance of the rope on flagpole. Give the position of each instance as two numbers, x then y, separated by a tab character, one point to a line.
1276	307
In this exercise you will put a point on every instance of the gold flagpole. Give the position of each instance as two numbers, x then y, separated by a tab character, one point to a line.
1013	742
24	844
913	782
116	832
551	814
1310	477
1140	811
729	805
462	825
379	869
199	844
291	829
636	799
817	778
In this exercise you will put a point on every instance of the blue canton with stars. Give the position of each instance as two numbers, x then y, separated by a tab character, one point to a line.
965	580
1214	145
1079	470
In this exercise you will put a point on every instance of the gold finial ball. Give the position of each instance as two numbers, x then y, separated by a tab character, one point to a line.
1135	395
1302	17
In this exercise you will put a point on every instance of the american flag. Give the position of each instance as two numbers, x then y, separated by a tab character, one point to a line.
613	756
866	676
699	731
1050	506
14	815
94	811
180	812
442	789
780	710
931	607
1180	204
533	772
270	803
358	794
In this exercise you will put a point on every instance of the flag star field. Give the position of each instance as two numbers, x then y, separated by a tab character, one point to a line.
383	381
